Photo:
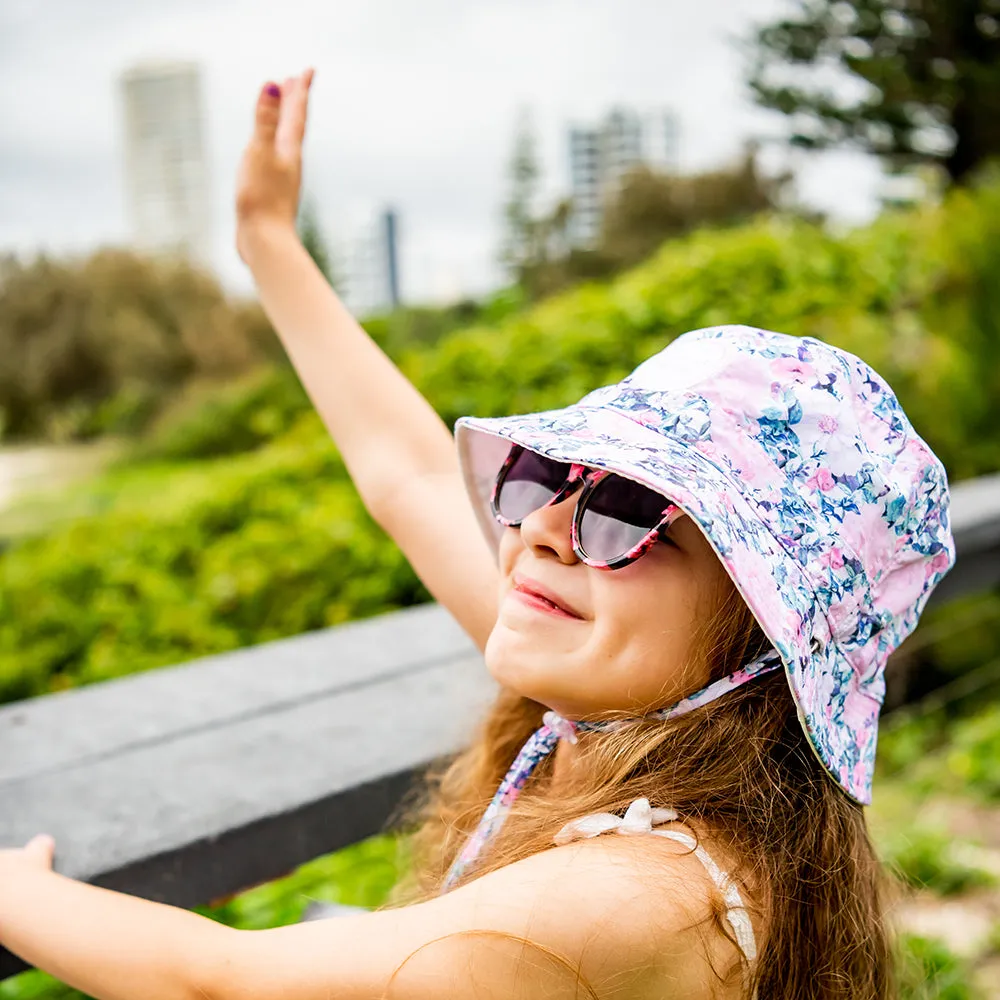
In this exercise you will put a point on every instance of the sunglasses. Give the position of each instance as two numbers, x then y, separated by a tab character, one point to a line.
615	521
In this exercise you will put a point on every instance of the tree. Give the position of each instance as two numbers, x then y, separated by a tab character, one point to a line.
649	209
100	343
930	71
652	207
312	240
521	229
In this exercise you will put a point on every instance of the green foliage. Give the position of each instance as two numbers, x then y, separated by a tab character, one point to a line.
648	208
236	418
973	759
929	76
97	345
262	406
914	294
520	227
941	751
929	971
360	875
929	858
415	327
251	549
652	208
37	985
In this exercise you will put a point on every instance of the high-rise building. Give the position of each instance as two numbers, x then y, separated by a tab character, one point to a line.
601	156
371	278
166	177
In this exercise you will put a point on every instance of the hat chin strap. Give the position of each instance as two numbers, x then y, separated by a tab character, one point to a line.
554	728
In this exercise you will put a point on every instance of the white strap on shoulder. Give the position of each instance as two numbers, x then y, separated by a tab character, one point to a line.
641	818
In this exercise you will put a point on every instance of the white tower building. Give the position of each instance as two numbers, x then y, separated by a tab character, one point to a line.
601	156
372	279
166	176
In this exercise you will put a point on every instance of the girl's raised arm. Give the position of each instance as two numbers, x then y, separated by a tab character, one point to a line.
397	450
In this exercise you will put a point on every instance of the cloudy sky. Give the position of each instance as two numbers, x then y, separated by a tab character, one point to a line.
414	103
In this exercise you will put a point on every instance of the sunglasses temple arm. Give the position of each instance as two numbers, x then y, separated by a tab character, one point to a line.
671	514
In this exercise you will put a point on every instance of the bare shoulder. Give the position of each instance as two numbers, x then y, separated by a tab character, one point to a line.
632	915
628	916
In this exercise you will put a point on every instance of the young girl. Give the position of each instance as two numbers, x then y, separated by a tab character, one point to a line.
687	585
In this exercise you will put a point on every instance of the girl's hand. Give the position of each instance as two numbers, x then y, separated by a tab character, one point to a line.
35	855
270	174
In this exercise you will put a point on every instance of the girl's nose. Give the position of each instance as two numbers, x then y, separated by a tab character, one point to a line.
551	528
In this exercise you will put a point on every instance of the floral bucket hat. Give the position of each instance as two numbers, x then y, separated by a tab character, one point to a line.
797	463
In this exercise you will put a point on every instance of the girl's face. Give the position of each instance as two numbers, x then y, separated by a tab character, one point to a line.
629	646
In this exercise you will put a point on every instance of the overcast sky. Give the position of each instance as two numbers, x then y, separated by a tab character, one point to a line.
414	103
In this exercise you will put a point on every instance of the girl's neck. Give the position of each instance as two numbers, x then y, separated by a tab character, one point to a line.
565	760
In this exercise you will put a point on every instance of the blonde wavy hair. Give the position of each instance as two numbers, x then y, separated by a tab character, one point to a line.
739	769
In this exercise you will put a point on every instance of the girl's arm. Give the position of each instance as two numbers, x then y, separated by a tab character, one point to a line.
630	916
110	946
399	453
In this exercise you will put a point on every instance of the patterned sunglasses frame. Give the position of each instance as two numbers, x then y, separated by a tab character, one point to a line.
590	479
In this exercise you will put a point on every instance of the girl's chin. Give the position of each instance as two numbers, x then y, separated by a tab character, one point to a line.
535	683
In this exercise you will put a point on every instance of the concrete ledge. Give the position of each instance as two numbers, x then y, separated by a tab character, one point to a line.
192	782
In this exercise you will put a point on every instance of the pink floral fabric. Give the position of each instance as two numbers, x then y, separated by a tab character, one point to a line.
795	459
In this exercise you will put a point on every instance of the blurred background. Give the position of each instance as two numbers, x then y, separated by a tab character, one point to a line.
520	202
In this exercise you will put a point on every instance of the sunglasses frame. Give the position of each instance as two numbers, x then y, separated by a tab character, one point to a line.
590	478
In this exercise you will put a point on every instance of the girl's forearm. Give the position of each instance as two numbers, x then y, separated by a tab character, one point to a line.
109	945
385	430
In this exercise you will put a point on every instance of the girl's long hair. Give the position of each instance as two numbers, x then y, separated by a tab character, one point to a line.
738	769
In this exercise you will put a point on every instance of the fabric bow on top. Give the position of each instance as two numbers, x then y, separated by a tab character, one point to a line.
639	818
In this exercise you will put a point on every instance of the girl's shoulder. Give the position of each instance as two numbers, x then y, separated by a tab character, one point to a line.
630	905
641	819
628	915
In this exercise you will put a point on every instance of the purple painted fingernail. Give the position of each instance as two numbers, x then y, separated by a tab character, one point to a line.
273	90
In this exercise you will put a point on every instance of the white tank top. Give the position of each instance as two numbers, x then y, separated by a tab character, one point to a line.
640	818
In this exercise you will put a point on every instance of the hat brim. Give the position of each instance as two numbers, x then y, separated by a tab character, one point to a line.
768	578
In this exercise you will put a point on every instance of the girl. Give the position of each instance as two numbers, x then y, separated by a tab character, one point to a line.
687	585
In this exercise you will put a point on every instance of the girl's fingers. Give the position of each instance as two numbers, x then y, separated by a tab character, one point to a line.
292	129
268	113
41	849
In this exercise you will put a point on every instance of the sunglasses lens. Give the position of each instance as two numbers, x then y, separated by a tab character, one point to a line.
531	482
618	515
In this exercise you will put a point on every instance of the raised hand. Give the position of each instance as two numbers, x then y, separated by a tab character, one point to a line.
270	173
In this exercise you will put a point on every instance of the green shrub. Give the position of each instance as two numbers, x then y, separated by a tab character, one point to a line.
928	859
960	755
914	295
929	971
76	335
253	549
973	759
236	418
360	875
